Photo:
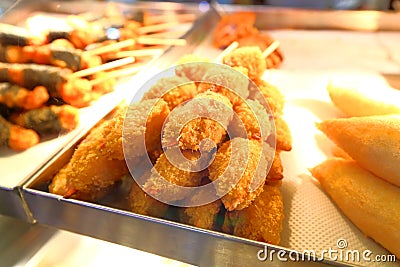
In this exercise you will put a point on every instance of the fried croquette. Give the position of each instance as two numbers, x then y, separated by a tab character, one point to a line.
275	174
205	118
142	129
240	167
249	57
232	27
283	136
174	90
230	82
166	174
96	165
266	93
252	120
261	221
204	216
263	41
193	67
144	204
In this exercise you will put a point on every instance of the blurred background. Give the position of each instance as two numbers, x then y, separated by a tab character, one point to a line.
312	4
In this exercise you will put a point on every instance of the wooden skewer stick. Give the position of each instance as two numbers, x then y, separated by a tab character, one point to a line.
137	53
103	67
270	49
118	73
111	47
157	27
130	42
168	34
227	50
160	41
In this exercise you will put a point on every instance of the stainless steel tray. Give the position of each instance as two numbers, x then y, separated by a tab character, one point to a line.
110	221
13	175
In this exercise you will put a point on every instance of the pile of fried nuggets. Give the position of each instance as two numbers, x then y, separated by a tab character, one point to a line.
234	134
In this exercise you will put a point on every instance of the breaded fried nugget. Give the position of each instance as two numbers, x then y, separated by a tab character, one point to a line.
266	92
240	166
142	129
184	173
261	221
275	174
204	216
96	165
144	204
230	82
205	117
254	121
263	41
249	57
283	135
174	90
193	67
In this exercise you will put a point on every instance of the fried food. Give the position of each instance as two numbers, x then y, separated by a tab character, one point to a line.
144	204
16	137
240	166
283	136
165	175
371	203
261	221
267	94
232	27
206	118
249	57
48	119
96	165
356	103
174	90
193	67
142	128
252	120
275	174
373	141
230	82
14	96
263	41
204	216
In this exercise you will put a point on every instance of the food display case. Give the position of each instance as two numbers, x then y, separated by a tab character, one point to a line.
350	48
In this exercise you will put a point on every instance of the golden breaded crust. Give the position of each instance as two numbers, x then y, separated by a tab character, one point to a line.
174	90
195	70
181	175
269	93
142	129
144	204
249	57
230	164
252	115
261	221
275	174
283	135
215	113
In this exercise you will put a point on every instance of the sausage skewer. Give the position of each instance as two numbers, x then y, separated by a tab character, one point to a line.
16	137
48	120
16	96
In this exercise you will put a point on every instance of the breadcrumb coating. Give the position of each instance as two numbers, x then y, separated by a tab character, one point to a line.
249	57
174	90
144	204
142	129
250	116
206	117
261	221
192	66
239	165
164	171
266	93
